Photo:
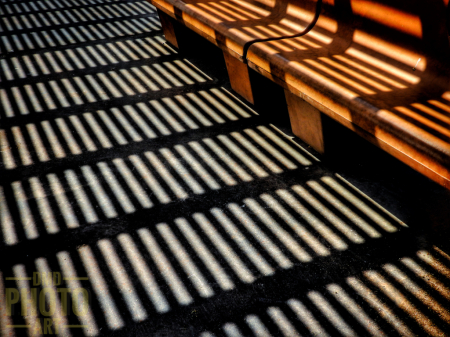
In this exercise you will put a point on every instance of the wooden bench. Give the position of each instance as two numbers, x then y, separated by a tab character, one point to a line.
379	68
233	25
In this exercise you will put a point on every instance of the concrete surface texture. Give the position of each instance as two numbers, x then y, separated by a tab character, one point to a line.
140	197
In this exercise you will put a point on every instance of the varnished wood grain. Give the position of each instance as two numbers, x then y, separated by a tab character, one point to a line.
168	28
239	77
306	121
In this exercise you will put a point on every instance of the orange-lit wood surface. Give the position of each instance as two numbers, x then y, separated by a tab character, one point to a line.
239	77
381	68
306	121
168	28
231	24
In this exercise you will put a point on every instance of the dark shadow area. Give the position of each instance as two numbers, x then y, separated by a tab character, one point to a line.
270	102
201	52
422	200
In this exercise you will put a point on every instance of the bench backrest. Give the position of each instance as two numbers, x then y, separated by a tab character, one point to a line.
412	32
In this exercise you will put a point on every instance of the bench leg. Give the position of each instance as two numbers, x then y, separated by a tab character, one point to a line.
306	121
168	28
239	77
